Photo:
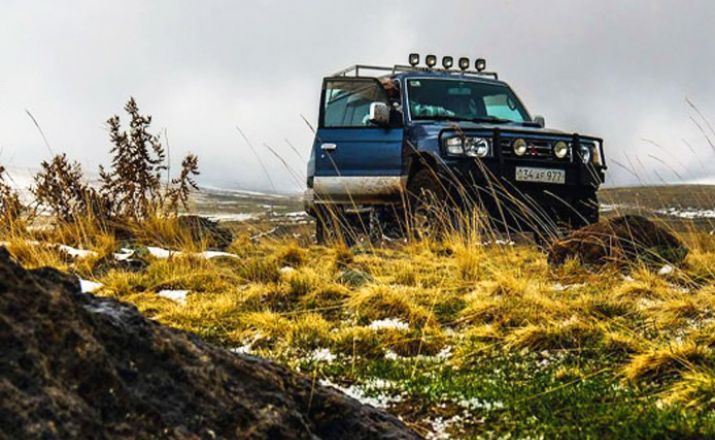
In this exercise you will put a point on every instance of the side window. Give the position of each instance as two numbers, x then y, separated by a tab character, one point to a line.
502	106
347	102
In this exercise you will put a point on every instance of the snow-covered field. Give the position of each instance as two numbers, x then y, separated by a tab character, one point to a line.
688	213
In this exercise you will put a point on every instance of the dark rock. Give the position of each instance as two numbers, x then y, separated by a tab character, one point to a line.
74	365
205	230
621	240
355	278
105	264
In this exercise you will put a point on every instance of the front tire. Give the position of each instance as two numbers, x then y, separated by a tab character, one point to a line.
588	210
430	209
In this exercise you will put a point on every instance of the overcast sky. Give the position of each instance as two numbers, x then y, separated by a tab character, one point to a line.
620	70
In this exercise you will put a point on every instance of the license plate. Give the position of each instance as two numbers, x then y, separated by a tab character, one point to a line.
545	175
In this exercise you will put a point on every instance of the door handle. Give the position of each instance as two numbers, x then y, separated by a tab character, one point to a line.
328	147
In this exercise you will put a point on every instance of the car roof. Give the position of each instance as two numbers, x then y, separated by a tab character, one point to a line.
401	72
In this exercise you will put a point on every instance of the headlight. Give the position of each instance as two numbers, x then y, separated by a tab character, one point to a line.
476	147
471	146
454	146
585	152
519	146
561	149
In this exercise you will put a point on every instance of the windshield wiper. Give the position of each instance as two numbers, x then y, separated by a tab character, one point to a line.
491	119
441	118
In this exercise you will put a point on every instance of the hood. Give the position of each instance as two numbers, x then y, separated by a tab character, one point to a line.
437	126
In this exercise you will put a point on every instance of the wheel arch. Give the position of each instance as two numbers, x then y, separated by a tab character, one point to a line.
420	160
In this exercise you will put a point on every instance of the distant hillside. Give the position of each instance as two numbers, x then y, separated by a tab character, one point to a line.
696	197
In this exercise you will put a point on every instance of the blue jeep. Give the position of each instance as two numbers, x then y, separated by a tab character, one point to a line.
392	145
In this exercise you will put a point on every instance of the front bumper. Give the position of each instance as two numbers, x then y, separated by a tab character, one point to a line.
492	184
481	172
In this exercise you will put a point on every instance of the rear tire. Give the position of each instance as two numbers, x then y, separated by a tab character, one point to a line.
332	226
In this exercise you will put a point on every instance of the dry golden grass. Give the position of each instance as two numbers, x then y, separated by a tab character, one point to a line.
284	301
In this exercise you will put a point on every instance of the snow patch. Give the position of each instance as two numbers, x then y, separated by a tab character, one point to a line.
389	323
237	217
76	253
124	254
476	403
379	400
445	353
391	355
666	270
214	254
178	296
243	349
322	355
89	286
688	213
558	287
161	253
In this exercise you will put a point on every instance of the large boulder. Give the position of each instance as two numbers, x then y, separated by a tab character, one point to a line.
621	240
74	365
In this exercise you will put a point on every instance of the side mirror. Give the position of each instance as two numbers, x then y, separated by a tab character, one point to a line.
540	120
379	114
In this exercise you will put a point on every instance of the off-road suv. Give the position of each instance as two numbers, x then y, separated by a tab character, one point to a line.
389	144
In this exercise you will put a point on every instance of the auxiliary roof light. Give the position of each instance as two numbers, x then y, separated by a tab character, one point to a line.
480	64
464	63
414	59
447	62
431	60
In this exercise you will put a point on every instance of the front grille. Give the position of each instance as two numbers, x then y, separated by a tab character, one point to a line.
538	149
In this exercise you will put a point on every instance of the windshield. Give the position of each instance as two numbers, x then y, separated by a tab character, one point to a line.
463	100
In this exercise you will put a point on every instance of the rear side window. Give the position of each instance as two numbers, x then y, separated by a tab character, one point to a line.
347	102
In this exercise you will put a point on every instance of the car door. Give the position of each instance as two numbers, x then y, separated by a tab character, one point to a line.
355	161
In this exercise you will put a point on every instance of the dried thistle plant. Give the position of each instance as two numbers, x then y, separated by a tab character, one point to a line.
11	207
60	186
133	181
182	186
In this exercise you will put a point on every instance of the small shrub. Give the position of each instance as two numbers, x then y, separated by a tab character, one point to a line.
60	186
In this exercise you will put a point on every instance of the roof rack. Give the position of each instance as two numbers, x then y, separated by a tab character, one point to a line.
355	70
